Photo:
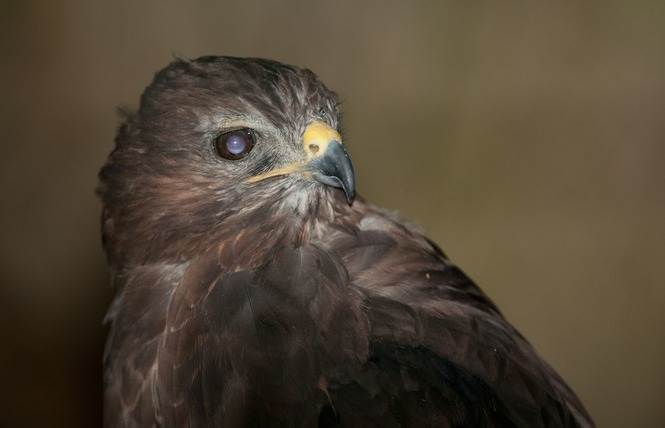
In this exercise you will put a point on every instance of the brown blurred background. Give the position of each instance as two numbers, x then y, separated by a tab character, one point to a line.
529	141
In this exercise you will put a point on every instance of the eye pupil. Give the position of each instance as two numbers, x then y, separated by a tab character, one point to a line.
236	144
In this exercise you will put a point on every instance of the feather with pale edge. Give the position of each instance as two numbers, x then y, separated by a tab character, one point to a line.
244	302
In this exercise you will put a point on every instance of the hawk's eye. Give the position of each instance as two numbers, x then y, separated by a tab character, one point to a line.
236	144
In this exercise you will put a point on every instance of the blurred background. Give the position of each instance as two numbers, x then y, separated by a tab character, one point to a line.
528	140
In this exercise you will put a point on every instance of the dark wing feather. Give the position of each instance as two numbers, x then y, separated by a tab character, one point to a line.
138	318
441	353
338	315
224	348
373	328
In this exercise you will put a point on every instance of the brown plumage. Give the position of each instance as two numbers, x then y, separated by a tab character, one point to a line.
252	292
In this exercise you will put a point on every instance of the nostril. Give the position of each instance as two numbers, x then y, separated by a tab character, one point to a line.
314	148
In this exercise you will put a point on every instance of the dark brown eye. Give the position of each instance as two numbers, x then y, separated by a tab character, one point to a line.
236	144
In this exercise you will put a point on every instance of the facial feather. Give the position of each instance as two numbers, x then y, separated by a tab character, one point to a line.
273	301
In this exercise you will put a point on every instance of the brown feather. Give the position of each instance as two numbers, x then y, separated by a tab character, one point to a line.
276	303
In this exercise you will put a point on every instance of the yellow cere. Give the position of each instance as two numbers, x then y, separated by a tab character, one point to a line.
316	138
315	141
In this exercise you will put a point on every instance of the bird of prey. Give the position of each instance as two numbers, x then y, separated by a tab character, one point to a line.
254	289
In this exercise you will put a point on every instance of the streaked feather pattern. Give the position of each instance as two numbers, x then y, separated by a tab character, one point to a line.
277	303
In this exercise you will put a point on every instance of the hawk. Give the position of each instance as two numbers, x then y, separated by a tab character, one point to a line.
254	289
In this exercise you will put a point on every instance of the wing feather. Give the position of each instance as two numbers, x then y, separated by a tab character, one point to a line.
439	343
232	348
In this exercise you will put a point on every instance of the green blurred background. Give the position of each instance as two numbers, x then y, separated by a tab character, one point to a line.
527	139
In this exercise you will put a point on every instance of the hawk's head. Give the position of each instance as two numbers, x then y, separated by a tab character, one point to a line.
222	147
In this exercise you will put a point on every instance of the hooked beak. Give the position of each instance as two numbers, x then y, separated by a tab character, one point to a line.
327	160
330	163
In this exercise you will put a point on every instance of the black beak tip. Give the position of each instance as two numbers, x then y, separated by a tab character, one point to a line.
334	168
350	194
332	180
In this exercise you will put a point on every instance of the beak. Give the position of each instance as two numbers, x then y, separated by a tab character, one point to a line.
327	161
